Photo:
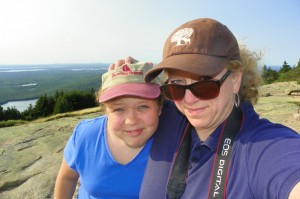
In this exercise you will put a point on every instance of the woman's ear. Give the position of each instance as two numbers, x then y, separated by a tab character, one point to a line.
159	112
236	81
160	109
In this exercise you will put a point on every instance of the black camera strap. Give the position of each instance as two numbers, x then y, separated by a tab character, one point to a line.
230	130
218	181
176	183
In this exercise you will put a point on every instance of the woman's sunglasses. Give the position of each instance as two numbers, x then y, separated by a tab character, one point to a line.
204	90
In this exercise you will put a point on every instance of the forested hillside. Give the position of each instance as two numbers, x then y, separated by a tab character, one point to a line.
286	73
33	83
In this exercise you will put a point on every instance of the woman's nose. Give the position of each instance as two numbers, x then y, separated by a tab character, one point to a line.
189	97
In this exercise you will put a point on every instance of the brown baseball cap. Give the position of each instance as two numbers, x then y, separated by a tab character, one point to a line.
201	46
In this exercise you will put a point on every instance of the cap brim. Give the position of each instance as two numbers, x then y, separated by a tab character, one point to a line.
199	64
148	91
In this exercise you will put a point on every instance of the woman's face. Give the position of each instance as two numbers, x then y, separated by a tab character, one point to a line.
132	120
206	115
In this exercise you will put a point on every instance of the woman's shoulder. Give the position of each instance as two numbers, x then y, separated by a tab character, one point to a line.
261	128
170	109
171	118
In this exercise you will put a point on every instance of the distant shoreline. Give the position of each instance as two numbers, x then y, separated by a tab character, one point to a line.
18	100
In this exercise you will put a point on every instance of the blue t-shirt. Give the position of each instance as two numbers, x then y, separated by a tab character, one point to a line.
101	176
265	161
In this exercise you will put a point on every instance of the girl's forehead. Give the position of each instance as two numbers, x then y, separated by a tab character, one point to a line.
129	100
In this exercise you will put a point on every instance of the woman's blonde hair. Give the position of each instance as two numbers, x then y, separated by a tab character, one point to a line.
251	79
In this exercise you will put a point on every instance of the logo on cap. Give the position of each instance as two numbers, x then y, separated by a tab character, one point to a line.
182	36
126	70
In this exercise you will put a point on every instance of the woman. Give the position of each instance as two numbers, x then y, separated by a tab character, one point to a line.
109	153
232	153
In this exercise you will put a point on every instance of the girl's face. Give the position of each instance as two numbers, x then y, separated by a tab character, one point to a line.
132	120
206	115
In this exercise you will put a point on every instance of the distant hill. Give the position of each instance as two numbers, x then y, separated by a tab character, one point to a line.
276	68
21	82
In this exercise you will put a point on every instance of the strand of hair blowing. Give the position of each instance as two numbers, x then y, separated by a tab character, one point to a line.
251	79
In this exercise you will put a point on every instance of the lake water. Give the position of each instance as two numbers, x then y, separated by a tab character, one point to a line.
20	105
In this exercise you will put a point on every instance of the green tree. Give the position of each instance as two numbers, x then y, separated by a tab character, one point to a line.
58	94
61	105
269	76
298	65
81	99
292	74
74	100
1	113
12	113
44	106
29	113
285	68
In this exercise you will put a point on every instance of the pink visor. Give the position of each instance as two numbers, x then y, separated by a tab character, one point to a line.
143	90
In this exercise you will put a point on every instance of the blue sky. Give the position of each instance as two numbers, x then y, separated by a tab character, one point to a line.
92	31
